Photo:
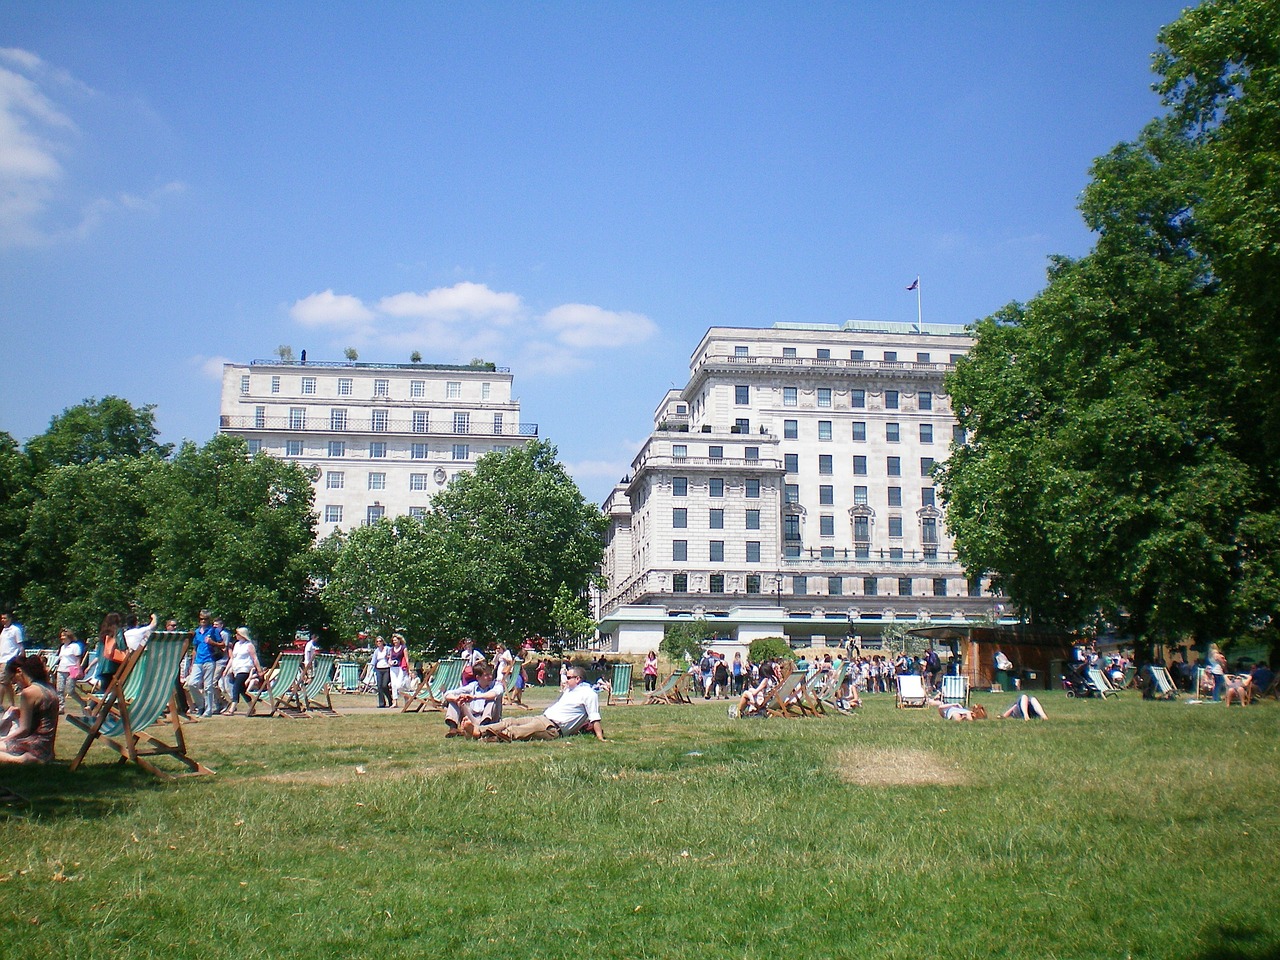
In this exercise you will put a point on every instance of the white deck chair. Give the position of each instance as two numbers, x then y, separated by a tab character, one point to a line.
910	690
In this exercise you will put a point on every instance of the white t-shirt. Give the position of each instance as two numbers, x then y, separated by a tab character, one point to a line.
574	709
69	655
10	642
242	657
138	636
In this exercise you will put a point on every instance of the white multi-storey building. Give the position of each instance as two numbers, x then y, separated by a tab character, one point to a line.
788	490
384	437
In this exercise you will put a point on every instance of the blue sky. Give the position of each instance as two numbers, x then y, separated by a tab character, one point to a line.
573	190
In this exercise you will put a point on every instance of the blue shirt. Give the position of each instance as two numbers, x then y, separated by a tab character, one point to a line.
203	637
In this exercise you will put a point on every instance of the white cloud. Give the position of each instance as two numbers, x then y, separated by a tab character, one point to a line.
583	326
461	301
329	309
210	367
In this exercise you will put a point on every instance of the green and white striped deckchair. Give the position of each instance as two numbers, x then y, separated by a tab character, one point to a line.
430	693
314	697
674	690
620	685
285	676
347	676
142	694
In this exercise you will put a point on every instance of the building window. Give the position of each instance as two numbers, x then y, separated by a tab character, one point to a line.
753	580
788	353
928	497
378	450
926	433
860	496
824	429
741	425
926	466
753	552
716	551
679	486
975	587
716	519
799	585
895	528
892	432
939	586
679	451
824	464
751	453
497	424
293	448
895	553
925	399
753	489
308	385
835	586
378	421
827	525
453	389
929	530
679	549
417	388
862	529
828	553
382	388
260	417
297	418
859	431
753	519
715	583
417	512
334	480
461	422
826	495
862	551
679	583
333	513
791	527
374	513
857	398
418	451
824	353
344	386
679	517
255	446
338	419
959	436
715	487
681	409
417	481
824	396
740	351
715	453
922	358
790	429
859	466
894	466
377	480
856	355
244	385
895	496
870	586
742	395
337	448
904	586
484	391
891	399
891	356
791	462
461	451
275	384
792	493
421	421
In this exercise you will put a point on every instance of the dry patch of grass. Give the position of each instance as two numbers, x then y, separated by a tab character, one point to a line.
897	768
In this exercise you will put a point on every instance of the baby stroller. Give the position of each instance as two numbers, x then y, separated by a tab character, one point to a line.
1077	684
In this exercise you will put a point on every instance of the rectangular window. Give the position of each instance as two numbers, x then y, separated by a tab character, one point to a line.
716	519
679	517
859	466
856	355
791	462
904	586
753	519
461	422
835	586
334	480
297	418
417	388
333	513
715	487
255	446
862	528
377	450
891	356
891	432
893	466
679	486
453	389
870	586
826	525
860	496
715	453
377	480
740	351
859	431
790	396
679	450
753	552
374	513
799	585
260	417
679	549
418	451
959	436
378	421
895	553
824	429
824	396
895	496
293	448
715	552
895	528
753	583
791	527
922	358
382	388
337	448
861	551
344	386
679	583
824	464
824	353
788	352
497	424
308	385
939	586
461	451
338	419
417	512
926	433
792	494
741	395
753	489
741	425
751	453
275	384
244	384
926	466
790	429
791	550
928	497
484	391
715	583
891	399
925	399
421	421
857	398
975	587
417	481
929	531
826	495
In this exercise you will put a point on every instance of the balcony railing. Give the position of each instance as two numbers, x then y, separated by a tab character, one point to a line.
476	428
707	463
811	363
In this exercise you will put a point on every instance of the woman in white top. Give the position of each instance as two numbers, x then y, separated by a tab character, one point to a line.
70	666
244	663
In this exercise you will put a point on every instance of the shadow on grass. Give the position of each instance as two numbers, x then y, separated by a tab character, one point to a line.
52	791
1239	943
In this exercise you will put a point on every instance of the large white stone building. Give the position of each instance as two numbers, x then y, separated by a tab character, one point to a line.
787	490
384	437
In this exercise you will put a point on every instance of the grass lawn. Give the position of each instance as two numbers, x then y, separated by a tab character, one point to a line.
1117	829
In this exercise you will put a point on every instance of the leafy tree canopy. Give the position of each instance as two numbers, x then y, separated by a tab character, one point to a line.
96	430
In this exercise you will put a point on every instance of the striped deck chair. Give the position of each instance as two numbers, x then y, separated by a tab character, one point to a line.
787	697
346	678
829	692
620	686
284	677
430	693
674	690
511	695
955	690
311	695
143	694
1100	684
1162	685
910	690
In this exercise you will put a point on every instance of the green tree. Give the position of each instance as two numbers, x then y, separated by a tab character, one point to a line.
686	641
570	618
769	648
106	429
15	501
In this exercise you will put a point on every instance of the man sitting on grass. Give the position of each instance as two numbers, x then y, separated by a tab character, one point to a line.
469	710
577	709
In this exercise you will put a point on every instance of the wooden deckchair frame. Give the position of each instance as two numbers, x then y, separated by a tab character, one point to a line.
285	676
430	693
955	689
791	686
911	699
142	694
1165	688
620	685
673	689
1099	682
304	698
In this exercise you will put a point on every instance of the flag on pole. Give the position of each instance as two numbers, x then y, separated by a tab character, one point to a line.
914	284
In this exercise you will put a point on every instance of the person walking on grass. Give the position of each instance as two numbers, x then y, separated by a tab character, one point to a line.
244	664
380	663
651	672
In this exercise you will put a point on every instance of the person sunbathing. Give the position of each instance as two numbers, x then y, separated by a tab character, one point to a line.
958	712
1026	708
